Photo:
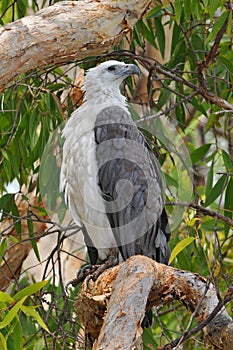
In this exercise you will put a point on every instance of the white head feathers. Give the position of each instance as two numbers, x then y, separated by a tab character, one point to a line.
104	80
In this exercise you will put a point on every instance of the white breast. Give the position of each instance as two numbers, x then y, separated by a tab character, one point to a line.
79	180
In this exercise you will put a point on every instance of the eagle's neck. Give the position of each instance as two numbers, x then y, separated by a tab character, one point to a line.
95	94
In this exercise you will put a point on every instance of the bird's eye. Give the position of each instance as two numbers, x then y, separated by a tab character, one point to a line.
111	68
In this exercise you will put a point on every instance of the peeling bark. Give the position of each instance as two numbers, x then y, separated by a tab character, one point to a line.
64	32
119	297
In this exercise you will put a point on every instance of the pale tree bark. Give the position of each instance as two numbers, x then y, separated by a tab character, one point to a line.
65	32
112	308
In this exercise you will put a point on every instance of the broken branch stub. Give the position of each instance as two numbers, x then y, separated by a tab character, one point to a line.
118	299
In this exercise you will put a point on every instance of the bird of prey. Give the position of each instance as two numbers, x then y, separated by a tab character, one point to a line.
110	176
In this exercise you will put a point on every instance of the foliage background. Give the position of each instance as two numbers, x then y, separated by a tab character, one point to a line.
184	49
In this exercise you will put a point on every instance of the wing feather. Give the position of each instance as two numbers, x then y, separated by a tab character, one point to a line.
130	183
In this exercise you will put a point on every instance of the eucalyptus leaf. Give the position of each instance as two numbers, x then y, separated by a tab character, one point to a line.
180	247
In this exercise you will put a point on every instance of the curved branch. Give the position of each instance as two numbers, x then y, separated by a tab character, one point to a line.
128	289
64	32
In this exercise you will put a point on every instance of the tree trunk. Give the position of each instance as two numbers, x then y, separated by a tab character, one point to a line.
126	290
65	32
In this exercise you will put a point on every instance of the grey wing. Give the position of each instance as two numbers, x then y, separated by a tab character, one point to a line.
130	183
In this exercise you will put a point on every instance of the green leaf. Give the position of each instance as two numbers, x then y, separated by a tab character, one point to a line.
178	57
197	43
154	12
30	290
39	344
228	206
58	86
171	181
4	154
3	248
6	298
7	203
149	33
216	190
18	335
29	311
61	211
198	106
160	35
226	63
180	115
175	37
178	5
12	313
6	200
33	127
187	8
42	211
184	261
211	121
163	97
3	342
15	160
205	3
213	5
199	153
22	7
227	161
149	338
33	239
17	221
138	35
217	26
209	181
229	26
179	247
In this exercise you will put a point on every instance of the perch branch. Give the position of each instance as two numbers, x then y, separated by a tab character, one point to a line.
126	290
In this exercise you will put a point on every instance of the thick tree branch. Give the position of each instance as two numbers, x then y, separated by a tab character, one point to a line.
128	289
64	32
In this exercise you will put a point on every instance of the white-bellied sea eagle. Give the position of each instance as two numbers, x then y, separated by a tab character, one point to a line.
109	175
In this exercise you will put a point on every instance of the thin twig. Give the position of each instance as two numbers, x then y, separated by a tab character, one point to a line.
204	211
195	329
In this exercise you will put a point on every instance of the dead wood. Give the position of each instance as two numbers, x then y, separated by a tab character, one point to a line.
118	299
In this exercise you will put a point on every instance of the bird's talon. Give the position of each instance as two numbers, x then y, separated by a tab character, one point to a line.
83	272
88	279
86	272
72	283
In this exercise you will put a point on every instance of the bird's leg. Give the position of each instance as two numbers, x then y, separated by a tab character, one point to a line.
93	271
82	273
110	262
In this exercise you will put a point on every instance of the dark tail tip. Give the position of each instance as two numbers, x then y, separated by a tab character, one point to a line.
147	320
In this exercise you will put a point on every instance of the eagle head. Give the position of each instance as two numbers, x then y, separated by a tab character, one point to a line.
107	77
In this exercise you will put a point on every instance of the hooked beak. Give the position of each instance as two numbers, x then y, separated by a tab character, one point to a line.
131	69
